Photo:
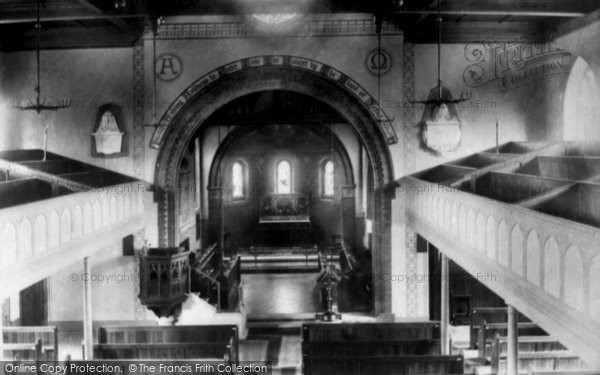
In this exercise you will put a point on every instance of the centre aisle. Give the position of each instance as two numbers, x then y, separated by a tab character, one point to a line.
281	293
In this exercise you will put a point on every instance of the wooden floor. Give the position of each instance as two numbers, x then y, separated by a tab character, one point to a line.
283	350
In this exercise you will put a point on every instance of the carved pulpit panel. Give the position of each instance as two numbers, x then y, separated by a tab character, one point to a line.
164	279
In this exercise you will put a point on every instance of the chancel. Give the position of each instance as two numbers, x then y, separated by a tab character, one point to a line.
384	187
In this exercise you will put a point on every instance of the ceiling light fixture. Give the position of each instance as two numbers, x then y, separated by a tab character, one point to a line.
441	125
39	104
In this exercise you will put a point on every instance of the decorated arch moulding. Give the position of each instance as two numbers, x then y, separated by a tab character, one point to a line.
292	62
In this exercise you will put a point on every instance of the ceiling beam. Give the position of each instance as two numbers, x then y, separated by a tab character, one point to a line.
431	5
62	17
576	24
492	13
118	22
83	16
473	32
68	37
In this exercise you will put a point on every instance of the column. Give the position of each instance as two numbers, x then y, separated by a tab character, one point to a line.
215	216
445	305
88	338
2	300
348	214
512	365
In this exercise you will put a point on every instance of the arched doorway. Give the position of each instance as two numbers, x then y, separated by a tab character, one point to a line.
582	95
189	112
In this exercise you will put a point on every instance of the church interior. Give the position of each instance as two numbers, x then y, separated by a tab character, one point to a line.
323	186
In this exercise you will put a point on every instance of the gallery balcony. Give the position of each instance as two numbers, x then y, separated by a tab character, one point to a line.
55	212
529	215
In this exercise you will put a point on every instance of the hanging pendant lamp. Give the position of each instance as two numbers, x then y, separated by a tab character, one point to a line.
441	125
39	104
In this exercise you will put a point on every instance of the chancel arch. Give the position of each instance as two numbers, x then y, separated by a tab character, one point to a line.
189	113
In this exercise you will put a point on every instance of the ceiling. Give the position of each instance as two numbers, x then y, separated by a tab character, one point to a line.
117	23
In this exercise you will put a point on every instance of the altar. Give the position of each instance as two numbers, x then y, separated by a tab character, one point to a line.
285	220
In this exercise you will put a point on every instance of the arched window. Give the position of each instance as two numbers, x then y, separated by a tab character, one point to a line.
238	180
283	177
327	179
582	96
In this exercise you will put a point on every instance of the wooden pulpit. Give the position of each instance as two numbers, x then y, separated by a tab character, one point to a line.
164	279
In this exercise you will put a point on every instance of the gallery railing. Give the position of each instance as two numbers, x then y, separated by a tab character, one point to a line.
545	266
42	237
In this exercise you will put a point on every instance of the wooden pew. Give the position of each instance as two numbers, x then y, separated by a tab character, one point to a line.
24	351
180	342
499	345
187	350
543	361
384	365
370	331
536	353
489	315
487	332
373	348
25	339
564	372
376	348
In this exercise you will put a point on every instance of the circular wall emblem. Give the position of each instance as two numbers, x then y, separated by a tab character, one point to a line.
168	67
379	62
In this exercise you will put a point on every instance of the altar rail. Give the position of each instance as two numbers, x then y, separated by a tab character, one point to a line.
543	265
40	238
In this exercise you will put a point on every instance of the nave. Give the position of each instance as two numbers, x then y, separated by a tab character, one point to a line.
277	296
333	187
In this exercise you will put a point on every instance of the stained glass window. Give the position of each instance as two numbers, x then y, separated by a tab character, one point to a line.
283	183
237	180
328	187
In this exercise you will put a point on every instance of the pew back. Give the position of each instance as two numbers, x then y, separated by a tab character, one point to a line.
543	361
526	344
123	341
488	332
375	348
187	350
24	352
372	348
539	353
384	365
26	338
370	331
489	315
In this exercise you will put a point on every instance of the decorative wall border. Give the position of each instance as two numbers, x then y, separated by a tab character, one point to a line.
410	149
304	29
138	111
139	143
300	63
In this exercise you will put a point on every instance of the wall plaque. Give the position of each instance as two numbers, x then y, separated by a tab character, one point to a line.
109	138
